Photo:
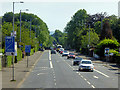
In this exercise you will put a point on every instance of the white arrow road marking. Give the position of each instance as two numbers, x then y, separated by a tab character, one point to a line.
95	77
101	73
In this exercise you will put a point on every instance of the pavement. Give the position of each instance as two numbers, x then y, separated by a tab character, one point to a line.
21	71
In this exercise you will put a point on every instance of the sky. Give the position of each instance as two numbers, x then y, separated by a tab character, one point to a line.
57	13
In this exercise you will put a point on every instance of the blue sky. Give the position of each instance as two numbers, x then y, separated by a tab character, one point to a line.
56	14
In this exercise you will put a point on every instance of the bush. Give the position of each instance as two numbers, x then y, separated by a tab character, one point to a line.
19	55
112	44
32	51
114	52
9	60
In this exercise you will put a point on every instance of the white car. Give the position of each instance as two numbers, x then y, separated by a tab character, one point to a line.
65	53
86	65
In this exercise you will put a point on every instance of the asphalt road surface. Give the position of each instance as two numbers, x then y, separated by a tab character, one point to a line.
55	71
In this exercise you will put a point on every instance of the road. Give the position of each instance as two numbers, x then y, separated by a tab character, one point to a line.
54	71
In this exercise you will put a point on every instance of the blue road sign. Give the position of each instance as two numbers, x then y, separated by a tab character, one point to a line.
27	48
10	44
41	44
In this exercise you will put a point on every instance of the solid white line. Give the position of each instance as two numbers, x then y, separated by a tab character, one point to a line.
93	86
51	66
101	73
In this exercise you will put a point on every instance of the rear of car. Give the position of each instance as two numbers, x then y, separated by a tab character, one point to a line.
71	55
65	53
86	65
53	52
77	60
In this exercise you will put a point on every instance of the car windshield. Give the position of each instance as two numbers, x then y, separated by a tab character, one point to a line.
65	51
78	58
71	53
86	62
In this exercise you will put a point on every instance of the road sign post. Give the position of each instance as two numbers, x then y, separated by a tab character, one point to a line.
107	54
27	50
10	50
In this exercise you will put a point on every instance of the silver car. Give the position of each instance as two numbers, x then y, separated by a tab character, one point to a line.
86	65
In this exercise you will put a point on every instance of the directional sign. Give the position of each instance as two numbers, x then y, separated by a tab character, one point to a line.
41	44
27	48
106	51
9	44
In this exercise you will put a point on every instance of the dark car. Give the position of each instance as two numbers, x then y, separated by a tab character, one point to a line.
53	52
71	55
77	60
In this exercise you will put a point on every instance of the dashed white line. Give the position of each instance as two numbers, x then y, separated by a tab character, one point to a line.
101	73
55	84
81	76
88	82
55	80
93	86
95	77
85	79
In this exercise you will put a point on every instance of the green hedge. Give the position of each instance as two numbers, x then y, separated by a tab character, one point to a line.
9	61
19	55
32	51
112	44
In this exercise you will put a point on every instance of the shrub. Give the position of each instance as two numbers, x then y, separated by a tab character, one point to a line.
114	52
19	55
9	60
32	51
112	44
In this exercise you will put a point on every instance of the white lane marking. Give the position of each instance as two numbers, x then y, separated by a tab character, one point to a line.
85	79
93	86
55	84
101	73
95	77
81	76
88	82
40	73
51	66
54	77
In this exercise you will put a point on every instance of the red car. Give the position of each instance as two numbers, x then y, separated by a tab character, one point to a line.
61	52
71	55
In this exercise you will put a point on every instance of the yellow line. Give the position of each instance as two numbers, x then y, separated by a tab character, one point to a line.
18	86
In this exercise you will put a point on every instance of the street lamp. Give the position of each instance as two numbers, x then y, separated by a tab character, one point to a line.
13	13
13	36
20	23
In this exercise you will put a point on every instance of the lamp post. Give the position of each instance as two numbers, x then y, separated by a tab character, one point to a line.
13	79
20	24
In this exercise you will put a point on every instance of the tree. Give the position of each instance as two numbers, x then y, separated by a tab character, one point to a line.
106	31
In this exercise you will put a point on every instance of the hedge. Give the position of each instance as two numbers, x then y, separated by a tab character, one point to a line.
19	55
100	49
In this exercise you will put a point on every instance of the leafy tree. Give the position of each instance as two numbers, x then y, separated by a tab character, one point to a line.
94	39
106	31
